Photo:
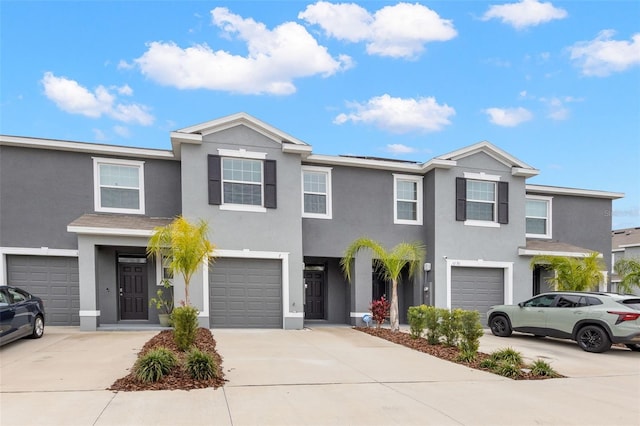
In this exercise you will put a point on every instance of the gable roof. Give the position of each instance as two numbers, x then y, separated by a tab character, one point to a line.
623	238
518	167
194	134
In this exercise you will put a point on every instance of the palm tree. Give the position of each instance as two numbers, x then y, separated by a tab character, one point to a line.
184	245
572	273
389	263
629	270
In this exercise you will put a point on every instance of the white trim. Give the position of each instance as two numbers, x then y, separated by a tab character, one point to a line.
97	203
482	176
292	148
121	232
419	199
328	194
624	246
573	191
252	254
387	165
90	313
480	263
527	252
242	208
29	251
482	223
242	153
549	200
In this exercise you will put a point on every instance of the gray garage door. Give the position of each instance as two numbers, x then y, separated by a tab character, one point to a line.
245	293
52	278
477	289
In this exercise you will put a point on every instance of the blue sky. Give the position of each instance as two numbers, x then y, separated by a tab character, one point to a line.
556	84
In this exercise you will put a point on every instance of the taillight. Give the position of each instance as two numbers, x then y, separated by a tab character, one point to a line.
625	316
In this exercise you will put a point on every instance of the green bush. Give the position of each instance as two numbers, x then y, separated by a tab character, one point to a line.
489	363
470	333
508	369
509	355
200	365
432	318
450	325
152	366
417	316
185	324
542	368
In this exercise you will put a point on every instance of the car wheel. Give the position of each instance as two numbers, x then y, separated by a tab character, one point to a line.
633	346
500	326
592	338
38	328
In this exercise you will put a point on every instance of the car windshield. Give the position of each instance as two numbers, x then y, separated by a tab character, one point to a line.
632	303
545	301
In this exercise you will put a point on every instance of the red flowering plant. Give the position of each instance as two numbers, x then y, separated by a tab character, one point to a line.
380	310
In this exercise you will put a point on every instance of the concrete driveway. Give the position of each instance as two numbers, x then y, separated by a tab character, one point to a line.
323	376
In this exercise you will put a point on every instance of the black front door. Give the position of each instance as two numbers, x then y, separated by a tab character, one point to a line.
314	294
132	275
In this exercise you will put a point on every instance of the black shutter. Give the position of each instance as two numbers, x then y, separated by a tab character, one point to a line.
503	202
214	174
461	198
270	193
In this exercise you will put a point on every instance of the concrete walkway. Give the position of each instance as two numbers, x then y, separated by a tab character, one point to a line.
323	376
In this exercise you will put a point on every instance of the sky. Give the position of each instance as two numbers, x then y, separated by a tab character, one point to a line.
555	84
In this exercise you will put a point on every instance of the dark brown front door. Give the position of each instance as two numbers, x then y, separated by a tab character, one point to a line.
133	289
314	294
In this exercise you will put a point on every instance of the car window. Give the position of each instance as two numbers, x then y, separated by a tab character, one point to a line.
571	301
632	303
594	301
544	301
17	296
3	298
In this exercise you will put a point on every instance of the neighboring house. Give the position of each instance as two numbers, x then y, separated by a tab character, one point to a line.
75	219
625	244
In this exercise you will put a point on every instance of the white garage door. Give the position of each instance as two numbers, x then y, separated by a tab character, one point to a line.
245	293
477	289
53	279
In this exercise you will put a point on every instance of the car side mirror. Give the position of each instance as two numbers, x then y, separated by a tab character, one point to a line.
521	304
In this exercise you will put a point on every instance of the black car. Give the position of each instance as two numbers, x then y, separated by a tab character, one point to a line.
21	315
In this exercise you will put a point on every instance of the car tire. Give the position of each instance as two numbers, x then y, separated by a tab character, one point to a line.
633	346
592	338
500	326
38	327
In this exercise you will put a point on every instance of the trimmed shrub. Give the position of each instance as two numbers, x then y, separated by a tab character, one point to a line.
508	369
542	368
470	333
380	310
433	332
509	355
489	363
417	316
154	365
200	365
185	324
450	325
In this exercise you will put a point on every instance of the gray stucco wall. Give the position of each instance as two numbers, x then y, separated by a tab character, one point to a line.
276	230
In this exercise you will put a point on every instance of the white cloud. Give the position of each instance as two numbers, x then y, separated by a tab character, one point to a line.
122	131
508	117
125	90
275	58
99	135
526	13
602	56
400	115
399	31
398	148
124	65
73	98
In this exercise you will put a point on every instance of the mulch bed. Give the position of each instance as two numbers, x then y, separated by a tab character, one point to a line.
177	377
448	353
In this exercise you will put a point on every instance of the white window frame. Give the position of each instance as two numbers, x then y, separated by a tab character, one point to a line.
97	162
418	181
160	272
549	200
243	155
328	194
482	176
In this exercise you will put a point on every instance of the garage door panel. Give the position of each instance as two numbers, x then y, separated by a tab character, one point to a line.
52	278
246	293
477	289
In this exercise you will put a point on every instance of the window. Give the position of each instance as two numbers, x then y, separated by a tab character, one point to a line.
119	186
242	181
316	192
482	200
538	212
162	270
544	301
407	198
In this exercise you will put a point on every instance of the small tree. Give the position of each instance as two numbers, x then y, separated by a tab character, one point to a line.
572	273
184	244
389	263
629	271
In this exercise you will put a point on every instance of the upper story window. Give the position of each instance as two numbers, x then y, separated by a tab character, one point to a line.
538	212
316	192
407	199
118	185
482	200
242	180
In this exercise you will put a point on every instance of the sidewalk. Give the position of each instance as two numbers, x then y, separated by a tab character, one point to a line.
323	376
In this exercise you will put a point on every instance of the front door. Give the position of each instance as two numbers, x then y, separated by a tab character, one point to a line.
314	294
132	273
